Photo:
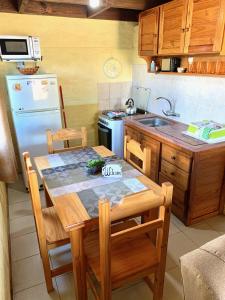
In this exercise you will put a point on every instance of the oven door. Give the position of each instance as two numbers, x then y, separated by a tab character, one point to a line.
105	136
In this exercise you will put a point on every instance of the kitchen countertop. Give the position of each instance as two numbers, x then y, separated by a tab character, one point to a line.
171	134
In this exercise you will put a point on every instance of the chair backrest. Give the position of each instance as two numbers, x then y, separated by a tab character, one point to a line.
35	197
66	134
128	207
132	147
27	162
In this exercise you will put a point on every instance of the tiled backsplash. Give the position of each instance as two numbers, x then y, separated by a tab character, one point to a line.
197	98
113	95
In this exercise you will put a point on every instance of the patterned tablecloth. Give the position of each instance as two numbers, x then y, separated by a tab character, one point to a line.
68	174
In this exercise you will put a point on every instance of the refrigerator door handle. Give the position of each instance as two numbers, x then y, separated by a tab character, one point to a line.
36	111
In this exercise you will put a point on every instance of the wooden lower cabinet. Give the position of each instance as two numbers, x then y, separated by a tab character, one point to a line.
179	199
198	176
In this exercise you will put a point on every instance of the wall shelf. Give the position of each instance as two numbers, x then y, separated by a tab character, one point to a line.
189	74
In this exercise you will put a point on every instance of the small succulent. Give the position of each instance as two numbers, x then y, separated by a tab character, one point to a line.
95	163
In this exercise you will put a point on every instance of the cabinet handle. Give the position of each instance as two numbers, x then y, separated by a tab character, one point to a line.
183	29
173	157
172	173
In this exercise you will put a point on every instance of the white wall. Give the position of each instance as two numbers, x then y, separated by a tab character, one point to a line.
197	98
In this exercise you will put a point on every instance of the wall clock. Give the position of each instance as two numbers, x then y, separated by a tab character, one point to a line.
112	68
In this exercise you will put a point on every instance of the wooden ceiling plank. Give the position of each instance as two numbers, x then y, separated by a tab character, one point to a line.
130	4
93	12
22	5
129	15
54	9
124	4
76	2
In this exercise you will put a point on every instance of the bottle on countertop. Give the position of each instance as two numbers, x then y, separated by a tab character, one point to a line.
152	66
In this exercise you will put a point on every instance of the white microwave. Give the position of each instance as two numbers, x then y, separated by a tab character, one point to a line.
19	48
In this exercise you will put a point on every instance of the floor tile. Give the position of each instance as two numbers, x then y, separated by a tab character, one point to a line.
60	256
217	223
20	209
134	292
27	273
18	185
65	287
178	223
173	228
21	226
170	263
173	287
38	292
201	233
16	196
24	246
178	245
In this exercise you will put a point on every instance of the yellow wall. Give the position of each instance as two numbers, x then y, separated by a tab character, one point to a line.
4	251
75	49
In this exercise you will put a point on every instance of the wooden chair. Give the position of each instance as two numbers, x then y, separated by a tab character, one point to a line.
49	228
133	148
66	135
124	252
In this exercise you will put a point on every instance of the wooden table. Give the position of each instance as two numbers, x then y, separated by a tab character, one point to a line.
76	220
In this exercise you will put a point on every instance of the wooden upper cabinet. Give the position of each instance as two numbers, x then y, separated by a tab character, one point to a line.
173	19
205	26
148	32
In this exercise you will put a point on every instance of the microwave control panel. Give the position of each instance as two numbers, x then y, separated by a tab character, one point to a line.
35	41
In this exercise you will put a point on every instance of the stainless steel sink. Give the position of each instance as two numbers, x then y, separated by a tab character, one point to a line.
154	122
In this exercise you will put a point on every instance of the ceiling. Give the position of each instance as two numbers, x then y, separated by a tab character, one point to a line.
123	10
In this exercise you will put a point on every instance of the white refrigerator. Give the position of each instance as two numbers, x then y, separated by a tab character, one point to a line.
35	107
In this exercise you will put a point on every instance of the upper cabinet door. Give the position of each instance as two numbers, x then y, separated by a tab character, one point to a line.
205	26
148	32
173	19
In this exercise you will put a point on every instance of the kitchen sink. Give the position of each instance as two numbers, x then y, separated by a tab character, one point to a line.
154	122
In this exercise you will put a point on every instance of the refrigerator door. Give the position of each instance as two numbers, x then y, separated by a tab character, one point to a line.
31	132
33	93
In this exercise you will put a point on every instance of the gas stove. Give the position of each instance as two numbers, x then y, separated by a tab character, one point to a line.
119	114
111	131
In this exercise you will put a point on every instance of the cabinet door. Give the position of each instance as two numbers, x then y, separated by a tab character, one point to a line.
205	26
173	18
148	32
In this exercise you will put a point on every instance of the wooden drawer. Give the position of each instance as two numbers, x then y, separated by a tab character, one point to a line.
177	158
179	198
176	175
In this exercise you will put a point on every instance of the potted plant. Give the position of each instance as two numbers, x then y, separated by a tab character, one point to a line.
95	166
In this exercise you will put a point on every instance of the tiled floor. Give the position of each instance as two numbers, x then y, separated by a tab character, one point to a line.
28	278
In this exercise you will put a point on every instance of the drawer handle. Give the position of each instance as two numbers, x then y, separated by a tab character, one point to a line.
173	157
172	173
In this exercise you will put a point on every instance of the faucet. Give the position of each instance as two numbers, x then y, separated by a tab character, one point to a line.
171	112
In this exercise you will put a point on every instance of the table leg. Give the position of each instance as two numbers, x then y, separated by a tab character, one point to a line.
79	267
47	198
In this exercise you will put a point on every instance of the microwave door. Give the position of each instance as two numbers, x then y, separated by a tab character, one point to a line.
14	48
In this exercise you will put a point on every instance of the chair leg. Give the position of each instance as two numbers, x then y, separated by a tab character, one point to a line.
47	269
158	285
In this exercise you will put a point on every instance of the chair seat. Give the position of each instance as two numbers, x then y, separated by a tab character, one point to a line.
129	256
53	227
